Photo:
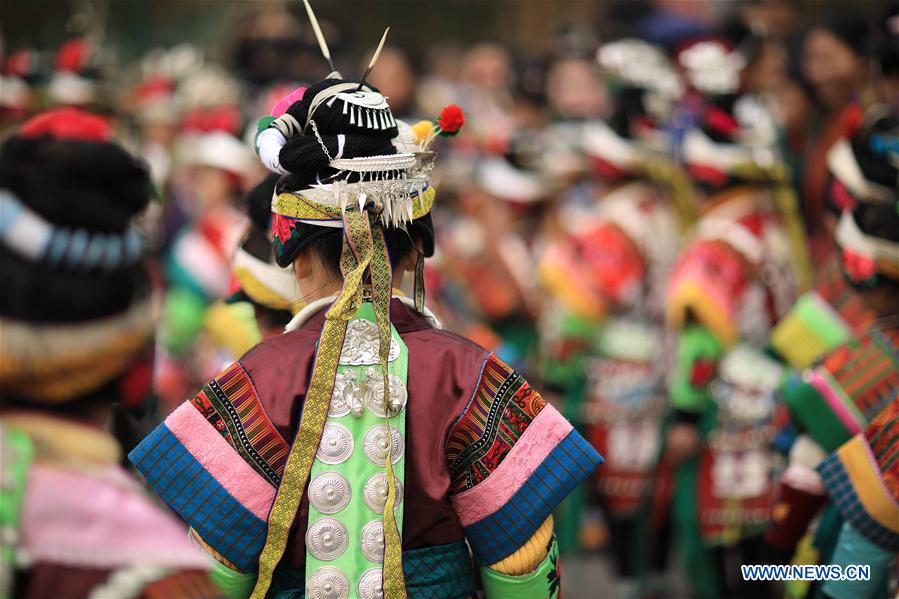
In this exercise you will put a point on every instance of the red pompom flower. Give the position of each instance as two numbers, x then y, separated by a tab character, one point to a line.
859	268
451	120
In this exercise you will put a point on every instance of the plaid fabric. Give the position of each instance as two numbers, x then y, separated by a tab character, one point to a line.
502	407
229	402
182	482
844	494
503	532
867	371
883	439
439	572
846	301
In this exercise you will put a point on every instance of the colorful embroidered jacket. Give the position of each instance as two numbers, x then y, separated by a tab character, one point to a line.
614	269
77	525
822	319
835	400
830	403
730	285
486	460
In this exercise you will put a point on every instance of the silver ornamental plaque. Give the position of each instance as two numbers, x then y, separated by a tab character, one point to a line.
371	541
339	405
360	347
376	444
327	539
336	444
375	492
375	399
371	585
328	582
329	492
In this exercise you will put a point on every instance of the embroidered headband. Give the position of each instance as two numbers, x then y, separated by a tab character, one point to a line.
28	234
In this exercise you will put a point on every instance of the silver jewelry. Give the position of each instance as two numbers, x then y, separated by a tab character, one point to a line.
320	141
376	444
375	398
361	344
371	541
327	539
371	585
336	444
328	582
329	492
375	492
339	405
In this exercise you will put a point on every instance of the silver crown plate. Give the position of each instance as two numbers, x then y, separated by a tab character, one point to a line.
336	444
329	492
360	347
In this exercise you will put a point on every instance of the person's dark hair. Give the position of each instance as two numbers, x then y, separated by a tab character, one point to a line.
88	185
882	221
850	27
879	220
259	202
327	244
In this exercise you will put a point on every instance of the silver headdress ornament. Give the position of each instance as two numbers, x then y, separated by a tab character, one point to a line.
394	187
365	107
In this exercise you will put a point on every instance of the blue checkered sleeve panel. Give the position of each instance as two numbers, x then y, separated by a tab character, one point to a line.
506	530
201	501
845	496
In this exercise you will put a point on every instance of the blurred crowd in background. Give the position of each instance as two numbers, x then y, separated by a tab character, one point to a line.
578	231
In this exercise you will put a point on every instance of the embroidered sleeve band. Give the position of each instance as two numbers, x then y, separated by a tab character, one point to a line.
513	459
217	460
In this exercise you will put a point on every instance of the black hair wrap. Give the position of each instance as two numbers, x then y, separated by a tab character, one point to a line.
97	187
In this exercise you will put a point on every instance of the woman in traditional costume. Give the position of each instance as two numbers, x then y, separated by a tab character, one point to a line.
835	399
77	337
738	276
607	272
354	455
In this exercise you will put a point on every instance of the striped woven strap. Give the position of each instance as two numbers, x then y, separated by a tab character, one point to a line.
382	280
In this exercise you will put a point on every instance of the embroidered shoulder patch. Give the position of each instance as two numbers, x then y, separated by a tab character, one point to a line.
503	406
230	403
